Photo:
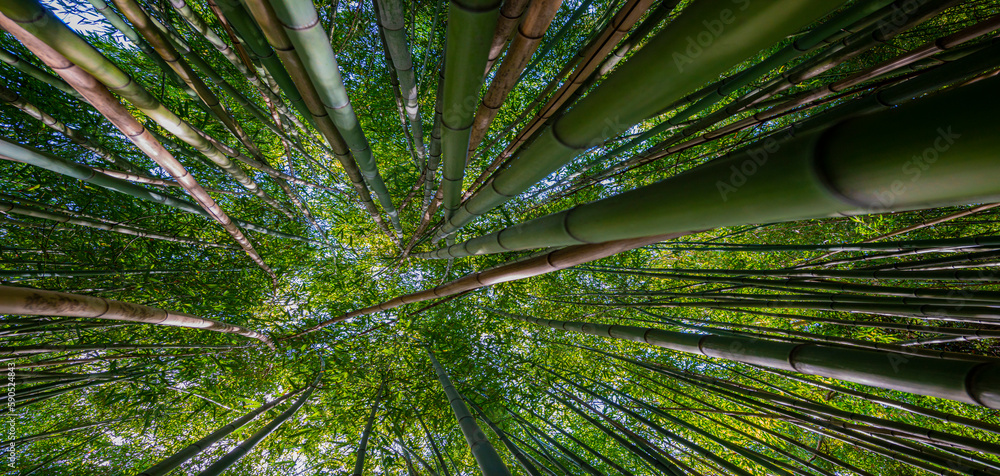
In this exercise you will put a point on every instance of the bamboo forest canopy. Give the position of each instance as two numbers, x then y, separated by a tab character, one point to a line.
500	237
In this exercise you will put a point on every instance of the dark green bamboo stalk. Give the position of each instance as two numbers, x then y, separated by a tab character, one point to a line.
467	48
486	456
636	90
359	464
236	454
964	381
519	455
836	168
190	451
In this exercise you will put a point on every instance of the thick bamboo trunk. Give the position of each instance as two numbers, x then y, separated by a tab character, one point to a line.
642	86
836	169
467	48
38	302
538	16
510	16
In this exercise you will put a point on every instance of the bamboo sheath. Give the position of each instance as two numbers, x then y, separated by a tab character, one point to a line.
830	175
39	302
467	48
486	456
642	86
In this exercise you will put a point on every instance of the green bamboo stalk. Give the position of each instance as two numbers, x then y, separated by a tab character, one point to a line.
486	456
190	451
35	72
8	275
45	349
233	456
60	166
962	381
390	16
302	27
519	455
359	464
642	451
61	215
837	169
303	86
72	134
39	302
467	48
41	23
636	90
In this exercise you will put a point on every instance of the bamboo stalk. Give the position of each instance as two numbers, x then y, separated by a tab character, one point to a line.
39	302
305	33
636	90
467	47
390	15
538	17
963	381
486	456
68	216
837	176
190	451
234	455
